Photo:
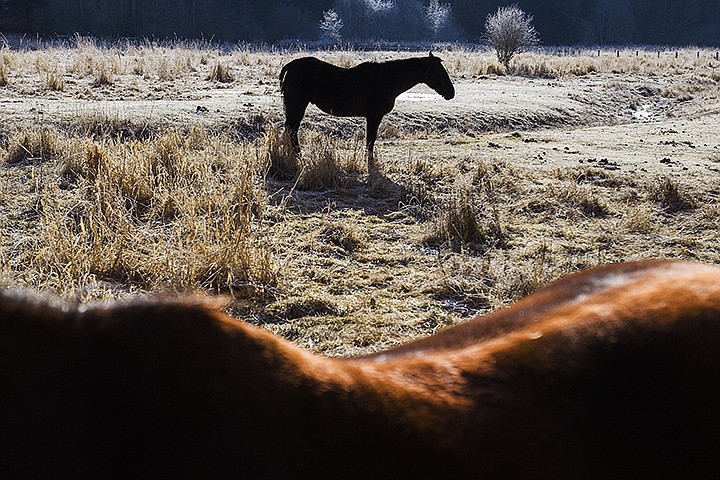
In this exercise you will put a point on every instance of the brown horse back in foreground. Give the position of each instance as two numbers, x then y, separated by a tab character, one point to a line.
611	373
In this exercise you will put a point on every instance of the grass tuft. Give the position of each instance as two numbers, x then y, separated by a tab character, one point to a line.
4	73
54	81
103	75
320	169
221	72
343	235
670	196
277	154
35	145
294	308
462	224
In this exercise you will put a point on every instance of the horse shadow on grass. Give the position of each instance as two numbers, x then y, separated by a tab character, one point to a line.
375	194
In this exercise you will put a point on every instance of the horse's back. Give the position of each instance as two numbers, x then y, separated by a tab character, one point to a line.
646	282
604	374
335	90
305	69
303	64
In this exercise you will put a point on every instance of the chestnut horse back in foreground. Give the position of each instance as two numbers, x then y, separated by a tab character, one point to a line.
613	373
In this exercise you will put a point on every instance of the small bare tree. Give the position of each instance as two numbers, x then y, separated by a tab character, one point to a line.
331	25
509	31
438	16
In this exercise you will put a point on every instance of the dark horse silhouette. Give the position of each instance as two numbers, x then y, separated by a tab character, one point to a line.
366	90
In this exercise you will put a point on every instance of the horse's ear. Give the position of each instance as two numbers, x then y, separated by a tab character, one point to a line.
431	55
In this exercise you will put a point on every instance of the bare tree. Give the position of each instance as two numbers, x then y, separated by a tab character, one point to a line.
509	31
438	16
331	25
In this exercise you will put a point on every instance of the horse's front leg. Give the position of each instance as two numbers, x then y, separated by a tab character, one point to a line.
373	123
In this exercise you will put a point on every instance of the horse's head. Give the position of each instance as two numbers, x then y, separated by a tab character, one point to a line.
437	78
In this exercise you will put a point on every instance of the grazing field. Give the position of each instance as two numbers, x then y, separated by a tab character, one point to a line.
149	169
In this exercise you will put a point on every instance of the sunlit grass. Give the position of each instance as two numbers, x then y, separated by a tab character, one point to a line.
107	204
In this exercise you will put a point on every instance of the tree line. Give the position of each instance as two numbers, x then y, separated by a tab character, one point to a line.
559	22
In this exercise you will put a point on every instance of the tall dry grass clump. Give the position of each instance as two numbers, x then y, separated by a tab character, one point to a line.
85	58
4	77
36	144
103	75
54	80
319	167
175	64
4	68
326	163
181	211
463	222
221	72
670	196
581	199
276	153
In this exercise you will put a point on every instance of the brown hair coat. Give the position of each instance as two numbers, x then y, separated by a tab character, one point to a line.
610	373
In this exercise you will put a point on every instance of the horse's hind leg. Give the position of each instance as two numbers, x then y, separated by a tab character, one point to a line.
373	123
294	113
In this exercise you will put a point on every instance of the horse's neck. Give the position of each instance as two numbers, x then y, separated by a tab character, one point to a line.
408	73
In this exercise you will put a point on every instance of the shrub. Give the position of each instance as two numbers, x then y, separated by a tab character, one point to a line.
509	30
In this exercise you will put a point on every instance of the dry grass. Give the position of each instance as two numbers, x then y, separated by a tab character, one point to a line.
105	204
103	75
220	72
55	81
561	64
466	222
328	163
4	69
181	211
136	68
277	153
670	196
35	145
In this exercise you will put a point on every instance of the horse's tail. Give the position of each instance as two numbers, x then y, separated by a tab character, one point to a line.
283	72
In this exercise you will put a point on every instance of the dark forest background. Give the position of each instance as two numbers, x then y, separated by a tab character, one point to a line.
559	22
